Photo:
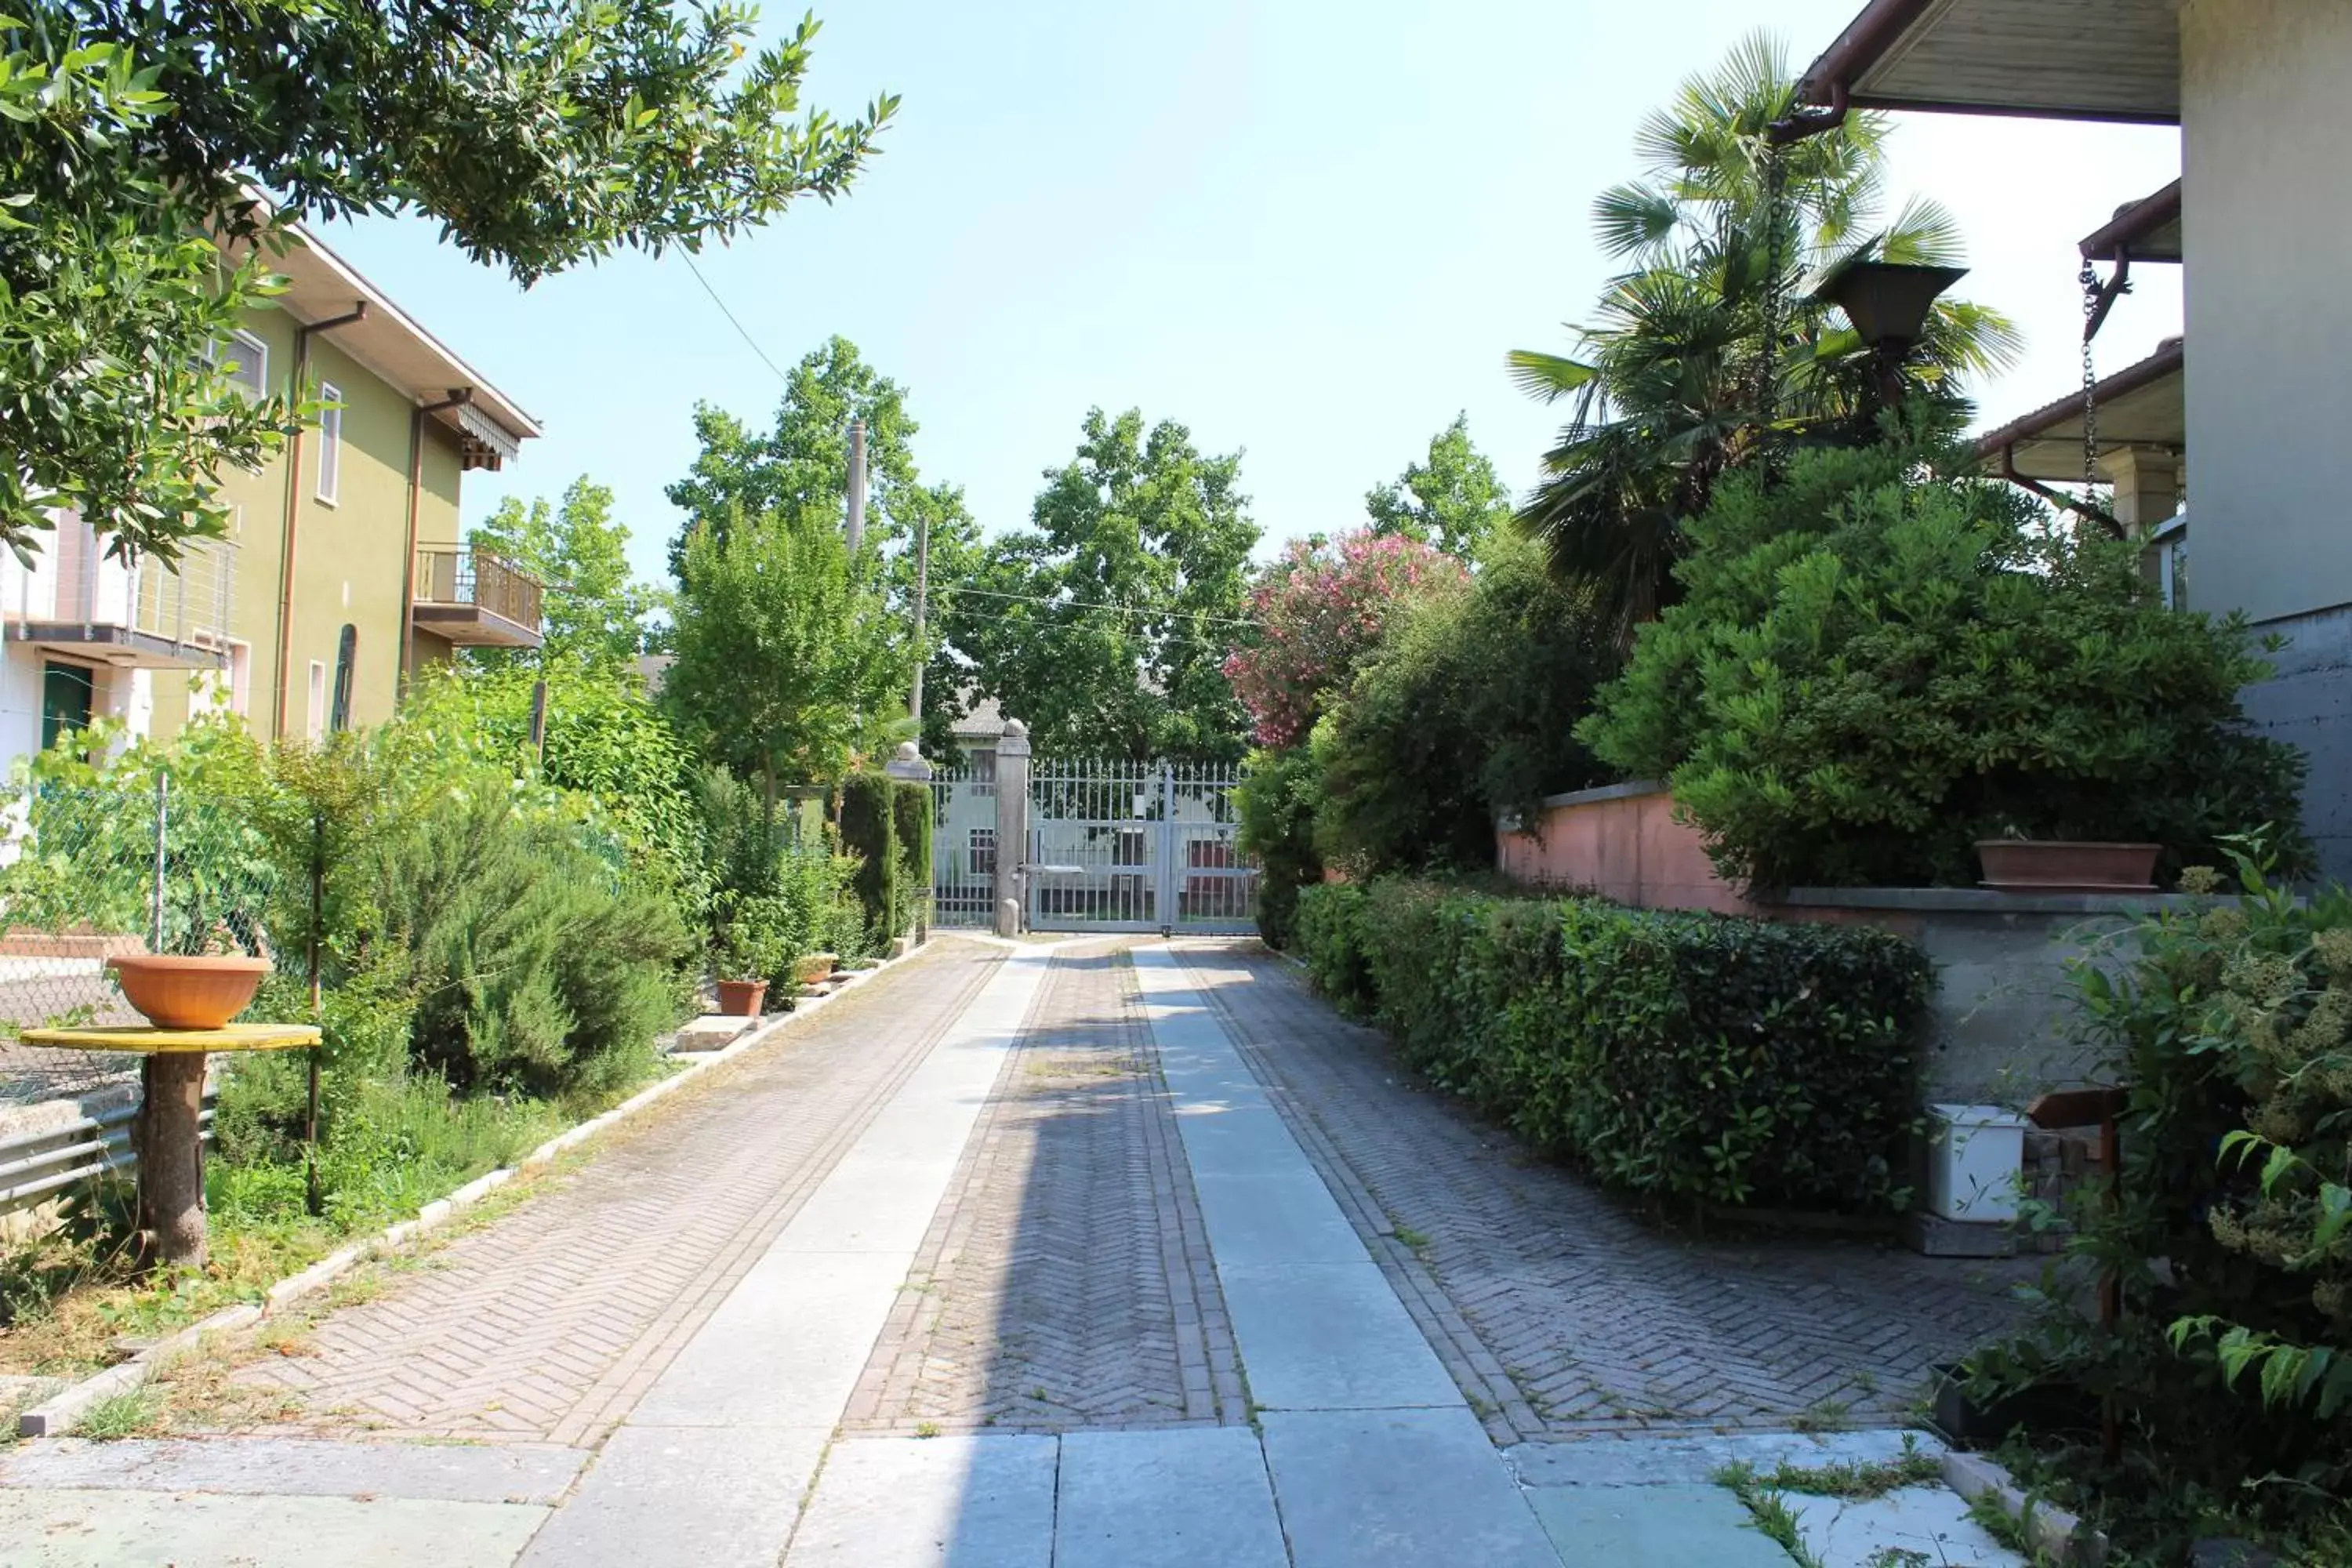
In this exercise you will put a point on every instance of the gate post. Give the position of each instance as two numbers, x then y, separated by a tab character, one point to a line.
1012	826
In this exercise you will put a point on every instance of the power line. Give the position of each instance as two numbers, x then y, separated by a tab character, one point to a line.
740	331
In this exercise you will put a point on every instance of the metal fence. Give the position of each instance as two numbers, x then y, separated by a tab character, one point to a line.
963	846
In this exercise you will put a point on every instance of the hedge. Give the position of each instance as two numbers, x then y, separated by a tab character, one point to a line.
1684	1054
869	831
911	820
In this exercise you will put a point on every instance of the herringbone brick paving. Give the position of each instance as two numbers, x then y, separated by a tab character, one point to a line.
1595	1319
1066	1281
547	1323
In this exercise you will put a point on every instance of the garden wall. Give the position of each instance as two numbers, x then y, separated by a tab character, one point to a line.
1997	1026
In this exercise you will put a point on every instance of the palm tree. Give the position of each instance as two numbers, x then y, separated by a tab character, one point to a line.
1707	346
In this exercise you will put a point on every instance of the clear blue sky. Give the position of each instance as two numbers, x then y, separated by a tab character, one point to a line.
1307	230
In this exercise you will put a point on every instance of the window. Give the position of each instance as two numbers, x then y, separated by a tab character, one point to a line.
64	701
347	649
983	852
984	767
318	726
2167	544
247	358
330	443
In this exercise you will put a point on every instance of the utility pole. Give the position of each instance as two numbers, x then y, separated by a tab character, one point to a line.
922	594
856	486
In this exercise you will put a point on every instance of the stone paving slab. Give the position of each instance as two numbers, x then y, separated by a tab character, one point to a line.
296	1467
1066	1281
1331	1336
1398	1488
113	1529
1182	1499
1559	1311
1609	1460
931	1503
547	1324
1918	1524
711	1497
1677	1526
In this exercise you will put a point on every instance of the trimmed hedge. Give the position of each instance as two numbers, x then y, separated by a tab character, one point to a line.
1684	1054
911	820
869	831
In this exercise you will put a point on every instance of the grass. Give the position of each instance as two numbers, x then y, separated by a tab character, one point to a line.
1854	1479
136	1414
1823	1415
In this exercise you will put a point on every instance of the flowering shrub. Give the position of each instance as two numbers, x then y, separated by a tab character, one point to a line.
1322	610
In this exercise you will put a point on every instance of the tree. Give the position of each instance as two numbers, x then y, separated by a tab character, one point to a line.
787	663
799	470
1103	625
1453	501
133	134
1675	385
1321	613
594	614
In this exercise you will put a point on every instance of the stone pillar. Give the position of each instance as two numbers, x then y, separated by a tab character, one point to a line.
2148	485
1011	825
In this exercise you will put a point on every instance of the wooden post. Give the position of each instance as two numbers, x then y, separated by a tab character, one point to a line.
172	1158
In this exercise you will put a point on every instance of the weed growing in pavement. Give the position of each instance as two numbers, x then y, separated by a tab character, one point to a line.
134	1414
1854	1479
1824	1415
926	1429
1770	1513
1404	1233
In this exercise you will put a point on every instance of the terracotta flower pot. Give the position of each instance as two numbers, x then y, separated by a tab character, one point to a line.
188	993
2064	866
743	999
814	969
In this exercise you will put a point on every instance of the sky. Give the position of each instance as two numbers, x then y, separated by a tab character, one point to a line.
1306	230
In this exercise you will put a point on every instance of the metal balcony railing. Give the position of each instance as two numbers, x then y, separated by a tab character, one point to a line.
73	582
465	574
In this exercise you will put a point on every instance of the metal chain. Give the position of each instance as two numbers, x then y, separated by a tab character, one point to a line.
1768	355
2089	278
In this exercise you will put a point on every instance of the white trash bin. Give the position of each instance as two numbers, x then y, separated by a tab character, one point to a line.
1975	1160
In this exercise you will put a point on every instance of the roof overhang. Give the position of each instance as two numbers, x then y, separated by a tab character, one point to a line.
2062	60
393	345
2146	230
2141	406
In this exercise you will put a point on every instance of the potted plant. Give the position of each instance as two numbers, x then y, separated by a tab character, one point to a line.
2015	863
743	955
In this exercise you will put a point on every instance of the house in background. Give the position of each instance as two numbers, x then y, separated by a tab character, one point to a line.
2236	431
343	570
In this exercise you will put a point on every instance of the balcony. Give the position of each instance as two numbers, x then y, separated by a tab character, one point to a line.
76	599
467	596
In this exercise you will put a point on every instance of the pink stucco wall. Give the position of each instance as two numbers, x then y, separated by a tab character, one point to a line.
1623	843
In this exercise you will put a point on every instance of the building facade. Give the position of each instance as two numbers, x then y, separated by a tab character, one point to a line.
343	569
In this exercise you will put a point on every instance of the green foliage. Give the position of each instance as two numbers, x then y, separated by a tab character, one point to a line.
1876	667
2230	1027
1103	624
539	137
1468	711
782	893
1686	1056
1276	804
1455	501
911	813
787	663
595	616
869	831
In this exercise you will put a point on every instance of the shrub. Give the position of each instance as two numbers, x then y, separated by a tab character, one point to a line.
1276	804
1874	667
869	831
1468	710
911	809
1682	1055
2231	1235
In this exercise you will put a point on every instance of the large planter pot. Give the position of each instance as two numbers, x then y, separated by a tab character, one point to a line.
2064	865
188	993
743	999
814	969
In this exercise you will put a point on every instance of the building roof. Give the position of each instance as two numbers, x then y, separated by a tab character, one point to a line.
985	722
2141	406
2067	59
2146	230
396	347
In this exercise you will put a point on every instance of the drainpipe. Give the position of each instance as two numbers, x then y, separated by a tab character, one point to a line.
1806	123
358	312
2059	498
458	395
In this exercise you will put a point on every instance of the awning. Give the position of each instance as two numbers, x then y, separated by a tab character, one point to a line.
2069	59
2141	406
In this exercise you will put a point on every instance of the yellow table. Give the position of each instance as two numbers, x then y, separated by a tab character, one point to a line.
169	1132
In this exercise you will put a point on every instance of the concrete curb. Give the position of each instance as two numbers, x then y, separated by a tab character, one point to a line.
2051	1532
55	1416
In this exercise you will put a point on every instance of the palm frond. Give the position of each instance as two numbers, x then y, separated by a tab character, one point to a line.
1633	218
1547	377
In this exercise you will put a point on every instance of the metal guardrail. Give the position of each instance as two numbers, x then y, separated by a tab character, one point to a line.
36	1165
465	574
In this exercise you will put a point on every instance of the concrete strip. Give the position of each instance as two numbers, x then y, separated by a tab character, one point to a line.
1329	1336
931	1503
1278	1217
1927	1524
1696	1459
57	1413
295	1466
1178	1499
107	1528
1401	1489
1655	1527
706	1496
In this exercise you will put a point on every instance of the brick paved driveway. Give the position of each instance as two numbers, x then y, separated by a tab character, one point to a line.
1560	1312
546	1325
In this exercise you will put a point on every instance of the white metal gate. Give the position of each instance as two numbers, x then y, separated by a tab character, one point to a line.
964	847
1137	847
